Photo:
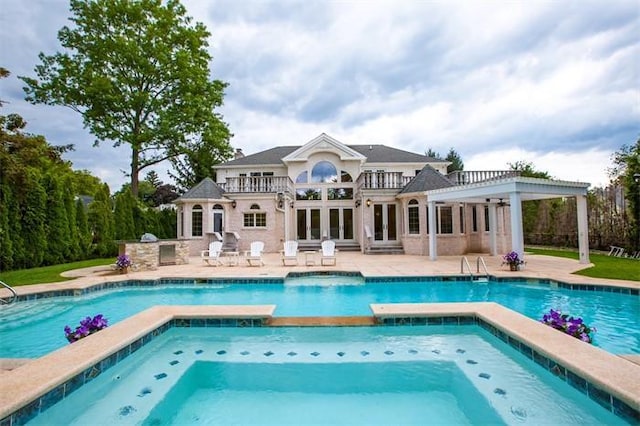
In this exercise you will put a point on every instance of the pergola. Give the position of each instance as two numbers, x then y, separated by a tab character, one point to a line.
512	190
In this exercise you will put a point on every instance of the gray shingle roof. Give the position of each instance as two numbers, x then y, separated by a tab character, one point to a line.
428	178
207	189
387	154
377	154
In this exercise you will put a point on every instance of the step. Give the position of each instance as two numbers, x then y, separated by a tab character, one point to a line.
320	321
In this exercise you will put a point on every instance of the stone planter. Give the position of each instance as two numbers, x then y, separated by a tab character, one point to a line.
513	266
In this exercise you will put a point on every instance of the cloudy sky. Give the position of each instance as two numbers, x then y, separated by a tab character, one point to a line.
554	83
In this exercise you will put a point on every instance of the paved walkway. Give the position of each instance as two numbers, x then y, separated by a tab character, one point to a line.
537	266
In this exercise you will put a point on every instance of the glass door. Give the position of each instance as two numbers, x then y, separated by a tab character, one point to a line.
308	224
341	223
384	222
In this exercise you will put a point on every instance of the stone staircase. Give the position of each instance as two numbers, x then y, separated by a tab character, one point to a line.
385	249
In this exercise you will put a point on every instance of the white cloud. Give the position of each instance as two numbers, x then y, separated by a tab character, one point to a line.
499	81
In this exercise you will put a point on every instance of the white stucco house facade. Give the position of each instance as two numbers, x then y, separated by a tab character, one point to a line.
372	198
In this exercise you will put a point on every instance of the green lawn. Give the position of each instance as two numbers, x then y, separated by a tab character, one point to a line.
616	268
48	274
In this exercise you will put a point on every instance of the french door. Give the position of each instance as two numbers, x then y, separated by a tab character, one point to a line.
341	223
385	222
308	224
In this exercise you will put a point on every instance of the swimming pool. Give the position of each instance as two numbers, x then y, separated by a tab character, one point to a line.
34	328
363	375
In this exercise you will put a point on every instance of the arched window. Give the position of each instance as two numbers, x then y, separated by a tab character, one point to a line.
414	217
302	177
254	207
324	172
196	221
345	177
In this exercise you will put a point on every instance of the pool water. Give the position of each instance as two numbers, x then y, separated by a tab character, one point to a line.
35	328
347	375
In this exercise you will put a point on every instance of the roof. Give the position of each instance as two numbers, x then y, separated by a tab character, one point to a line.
428	179
374	154
206	189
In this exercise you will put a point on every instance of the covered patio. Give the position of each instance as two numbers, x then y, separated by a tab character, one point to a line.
512	191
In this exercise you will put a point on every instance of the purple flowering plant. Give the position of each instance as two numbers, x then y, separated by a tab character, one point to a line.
87	326
512	258
572	326
123	261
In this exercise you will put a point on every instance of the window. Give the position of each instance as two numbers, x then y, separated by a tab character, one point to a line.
428	219
308	194
340	193
324	172
414	217
255	219
196	221
462	219
446	219
486	218
181	222
302	177
345	177
474	219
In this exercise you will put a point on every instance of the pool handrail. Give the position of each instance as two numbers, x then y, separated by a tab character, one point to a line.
14	295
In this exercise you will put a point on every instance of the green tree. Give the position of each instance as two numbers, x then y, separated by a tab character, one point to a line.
527	169
85	183
456	161
198	157
6	243
137	72
153	179
626	170
101	223
68	196
123	216
84	234
32	220
56	224
433	154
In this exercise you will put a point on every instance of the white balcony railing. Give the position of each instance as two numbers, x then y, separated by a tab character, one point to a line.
258	184
464	177
383	180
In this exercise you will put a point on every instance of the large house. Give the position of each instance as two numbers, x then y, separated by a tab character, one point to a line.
372	198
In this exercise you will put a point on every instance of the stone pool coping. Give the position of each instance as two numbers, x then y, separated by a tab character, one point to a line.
587	368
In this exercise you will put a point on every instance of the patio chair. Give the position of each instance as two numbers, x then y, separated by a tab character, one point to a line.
328	253
290	252
254	256
212	256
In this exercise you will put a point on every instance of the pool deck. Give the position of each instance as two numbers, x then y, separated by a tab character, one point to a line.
619	375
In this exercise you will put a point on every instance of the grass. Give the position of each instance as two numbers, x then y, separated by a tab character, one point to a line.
47	274
616	268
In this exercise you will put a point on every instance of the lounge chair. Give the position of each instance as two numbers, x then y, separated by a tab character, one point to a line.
290	252
328	253
254	256
212	256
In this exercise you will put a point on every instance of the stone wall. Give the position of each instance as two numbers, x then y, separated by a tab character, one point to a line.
146	256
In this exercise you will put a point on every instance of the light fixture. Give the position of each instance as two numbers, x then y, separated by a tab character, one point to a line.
368	202
233	204
292	204
358	202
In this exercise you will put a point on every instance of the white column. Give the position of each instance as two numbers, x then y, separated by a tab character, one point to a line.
433	230
493	229
583	229
517	234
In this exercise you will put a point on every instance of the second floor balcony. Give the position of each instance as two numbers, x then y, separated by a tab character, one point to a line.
256	184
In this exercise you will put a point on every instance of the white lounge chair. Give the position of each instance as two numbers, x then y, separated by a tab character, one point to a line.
328	253
290	252
254	256
212	256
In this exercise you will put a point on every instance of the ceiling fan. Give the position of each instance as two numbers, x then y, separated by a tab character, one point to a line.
502	203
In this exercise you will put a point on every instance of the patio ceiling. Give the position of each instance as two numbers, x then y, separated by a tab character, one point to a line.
500	190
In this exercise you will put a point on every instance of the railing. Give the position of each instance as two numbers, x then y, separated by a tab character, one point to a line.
383	180
480	261
463	177
258	184
14	295
464	262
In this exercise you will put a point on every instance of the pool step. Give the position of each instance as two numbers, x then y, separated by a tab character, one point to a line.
320	321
